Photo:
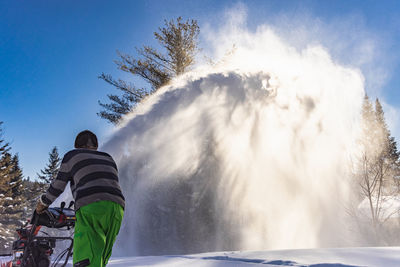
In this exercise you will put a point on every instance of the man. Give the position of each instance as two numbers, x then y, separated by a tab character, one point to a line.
99	202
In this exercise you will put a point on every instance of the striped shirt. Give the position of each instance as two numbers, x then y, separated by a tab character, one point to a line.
93	176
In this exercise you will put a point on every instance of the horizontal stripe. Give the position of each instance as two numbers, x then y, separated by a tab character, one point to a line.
95	176
54	191
64	167
83	156
98	189
69	155
87	162
99	197
99	182
59	184
91	169
63	176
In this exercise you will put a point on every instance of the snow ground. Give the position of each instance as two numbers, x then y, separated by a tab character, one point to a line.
343	257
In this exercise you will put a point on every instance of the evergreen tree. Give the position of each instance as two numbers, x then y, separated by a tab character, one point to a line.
5	169
389	157
50	172
4	147
368	126
11	194
391	146
6	177
32	191
16	184
14	202
179	39
381	132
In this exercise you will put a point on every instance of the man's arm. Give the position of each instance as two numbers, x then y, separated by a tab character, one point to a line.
55	189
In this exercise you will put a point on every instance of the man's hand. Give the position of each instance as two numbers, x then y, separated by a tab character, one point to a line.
40	207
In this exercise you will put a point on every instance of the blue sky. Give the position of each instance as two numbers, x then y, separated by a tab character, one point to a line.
51	53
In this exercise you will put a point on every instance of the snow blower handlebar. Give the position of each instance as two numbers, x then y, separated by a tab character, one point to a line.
55	217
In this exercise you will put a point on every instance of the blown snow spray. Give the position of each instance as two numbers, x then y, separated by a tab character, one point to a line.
249	154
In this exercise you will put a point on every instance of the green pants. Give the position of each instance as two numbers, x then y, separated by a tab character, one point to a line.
96	228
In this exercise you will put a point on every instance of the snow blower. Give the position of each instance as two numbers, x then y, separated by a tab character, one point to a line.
31	250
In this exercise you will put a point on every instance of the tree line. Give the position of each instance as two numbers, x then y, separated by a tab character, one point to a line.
377	178
18	196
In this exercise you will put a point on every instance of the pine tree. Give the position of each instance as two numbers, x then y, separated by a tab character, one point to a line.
5	169
11	194
368	126
16	184
389	157
382	132
14	203
179	39
4	147
391	146
6	177
50	172
32	191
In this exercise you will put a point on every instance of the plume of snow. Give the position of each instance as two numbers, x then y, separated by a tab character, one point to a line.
250	153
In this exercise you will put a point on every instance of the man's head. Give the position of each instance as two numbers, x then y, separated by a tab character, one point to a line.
86	139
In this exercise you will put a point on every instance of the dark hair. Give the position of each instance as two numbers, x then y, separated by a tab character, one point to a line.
86	139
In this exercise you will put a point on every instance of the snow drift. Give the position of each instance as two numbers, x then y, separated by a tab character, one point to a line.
251	153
